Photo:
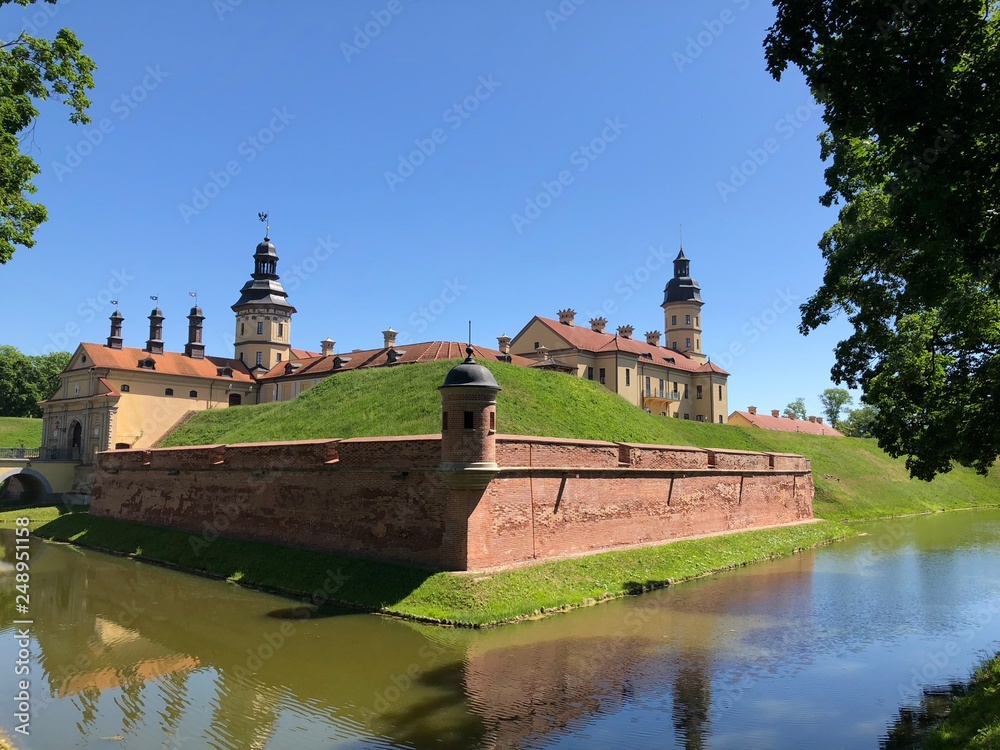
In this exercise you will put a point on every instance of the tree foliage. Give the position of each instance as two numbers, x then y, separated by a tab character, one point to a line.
26	380
797	408
911	107
859	422
834	400
32	70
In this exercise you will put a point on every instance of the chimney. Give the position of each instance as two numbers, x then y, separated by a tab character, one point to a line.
812	419
115	339
819	420
752	409
154	345
775	413
567	316
543	352
793	415
503	344
326	346
194	348
597	324
389	338
653	338
625	331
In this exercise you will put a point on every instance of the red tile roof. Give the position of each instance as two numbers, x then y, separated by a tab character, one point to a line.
589	340
428	351
169	363
784	424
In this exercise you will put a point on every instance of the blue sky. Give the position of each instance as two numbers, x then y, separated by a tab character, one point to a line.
427	163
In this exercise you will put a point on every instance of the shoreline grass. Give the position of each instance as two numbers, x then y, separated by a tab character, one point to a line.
443	598
974	719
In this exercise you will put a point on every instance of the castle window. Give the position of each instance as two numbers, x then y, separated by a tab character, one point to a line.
720	392
279	356
698	343
227	372
720	419
193	394
83	358
628	376
468	420
675	346
243	329
685	390
687	343
687	416
661	384
76	389
696	319
281	330
697	391
493	421
536	344
648	380
444	421
673	320
168	392
700	418
260	358
260	329
687	320
590	373
602	376
124	388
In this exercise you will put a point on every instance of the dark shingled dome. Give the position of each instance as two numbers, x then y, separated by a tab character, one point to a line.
470	374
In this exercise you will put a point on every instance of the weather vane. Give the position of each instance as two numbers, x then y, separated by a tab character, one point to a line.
153	297
262	215
113	302
195	295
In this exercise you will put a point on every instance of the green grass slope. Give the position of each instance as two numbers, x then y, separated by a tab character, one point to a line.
17	430
854	478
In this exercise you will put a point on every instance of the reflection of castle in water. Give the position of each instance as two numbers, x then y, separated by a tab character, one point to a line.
152	651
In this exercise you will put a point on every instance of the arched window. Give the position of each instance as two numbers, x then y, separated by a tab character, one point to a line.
168	392
193	394
125	388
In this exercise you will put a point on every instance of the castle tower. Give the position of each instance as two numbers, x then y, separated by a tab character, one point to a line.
263	314
115	339
468	425
682	310
194	347
154	345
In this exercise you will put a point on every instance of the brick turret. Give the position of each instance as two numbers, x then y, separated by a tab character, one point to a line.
468	425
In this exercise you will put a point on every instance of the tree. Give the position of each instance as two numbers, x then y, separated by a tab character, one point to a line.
31	70
834	400
910	102
859	422
24	380
796	408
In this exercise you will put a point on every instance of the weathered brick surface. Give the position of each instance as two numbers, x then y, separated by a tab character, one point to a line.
386	498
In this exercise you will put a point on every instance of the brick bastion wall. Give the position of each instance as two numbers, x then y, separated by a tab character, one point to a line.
393	498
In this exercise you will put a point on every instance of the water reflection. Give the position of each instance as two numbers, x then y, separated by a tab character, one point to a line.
815	650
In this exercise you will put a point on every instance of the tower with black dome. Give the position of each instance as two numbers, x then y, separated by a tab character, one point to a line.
263	313
682	310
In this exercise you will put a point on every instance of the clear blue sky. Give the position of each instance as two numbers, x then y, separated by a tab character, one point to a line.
638	116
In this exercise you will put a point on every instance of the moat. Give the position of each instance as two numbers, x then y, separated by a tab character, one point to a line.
818	650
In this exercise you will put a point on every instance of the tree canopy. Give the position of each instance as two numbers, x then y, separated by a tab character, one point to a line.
797	407
25	380
834	400
910	101
31	70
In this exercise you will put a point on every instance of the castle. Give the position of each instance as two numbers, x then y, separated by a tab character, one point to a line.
117	397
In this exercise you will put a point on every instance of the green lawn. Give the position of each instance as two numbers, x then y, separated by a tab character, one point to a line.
17	431
974	721
445	597
854	478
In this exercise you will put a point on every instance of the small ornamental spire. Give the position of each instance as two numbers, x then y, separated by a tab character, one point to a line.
262	215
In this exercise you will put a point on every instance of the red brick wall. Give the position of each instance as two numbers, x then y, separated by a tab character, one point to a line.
386	498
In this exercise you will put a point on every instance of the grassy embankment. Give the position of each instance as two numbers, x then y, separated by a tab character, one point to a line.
854	480
18	431
974	720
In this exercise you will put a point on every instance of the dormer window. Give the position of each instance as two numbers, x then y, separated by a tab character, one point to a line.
395	354
147	364
292	367
339	362
225	372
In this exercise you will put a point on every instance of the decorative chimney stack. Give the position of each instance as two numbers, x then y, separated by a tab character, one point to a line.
752	409
326	346
653	338
812	419
155	343
597	324
503	344
775	413
194	348
625	331
468	425
115	339
567	316
389	338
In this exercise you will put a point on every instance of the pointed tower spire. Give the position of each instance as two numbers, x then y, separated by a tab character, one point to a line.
115	339
154	345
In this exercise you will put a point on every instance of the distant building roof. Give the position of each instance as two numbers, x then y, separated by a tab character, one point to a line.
588	340
786	424
168	363
403	354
